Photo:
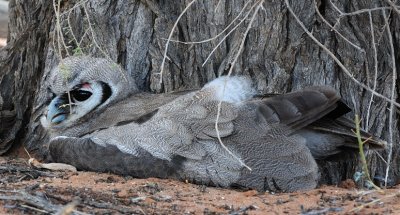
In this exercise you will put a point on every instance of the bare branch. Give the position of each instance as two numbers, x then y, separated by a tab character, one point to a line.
392	96
334	29
394	6
358	11
169	39
220	33
94	40
375	69
60	36
340	64
224	38
239	51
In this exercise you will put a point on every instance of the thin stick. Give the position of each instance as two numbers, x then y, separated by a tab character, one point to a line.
32	200
92	33
380	156
169	39
375	70
70	29
394	6
60	36
357	11
76	5
27	152
224	38
362	155
333	28
229	73
35	209
218	4
393	95
374	201
56	11
220	33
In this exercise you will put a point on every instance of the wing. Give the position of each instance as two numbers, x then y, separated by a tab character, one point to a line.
279	161
299	109
184	128
135	109
316	114
85	154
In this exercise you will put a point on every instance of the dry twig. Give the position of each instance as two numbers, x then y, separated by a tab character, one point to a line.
60	36
340	64
375	69
239	51
362	155
392	96
169	39
36	202
230	32
333	28
374	201
220	33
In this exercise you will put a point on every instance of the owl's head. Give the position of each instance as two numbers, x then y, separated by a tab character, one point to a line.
81	85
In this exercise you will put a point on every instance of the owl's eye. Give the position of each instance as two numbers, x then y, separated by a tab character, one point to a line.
80	95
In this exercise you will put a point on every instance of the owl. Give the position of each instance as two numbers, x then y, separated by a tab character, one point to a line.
223	134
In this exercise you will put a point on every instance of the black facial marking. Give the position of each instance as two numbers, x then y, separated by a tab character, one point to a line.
106	92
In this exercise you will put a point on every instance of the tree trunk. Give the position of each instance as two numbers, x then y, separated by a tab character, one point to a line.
277	54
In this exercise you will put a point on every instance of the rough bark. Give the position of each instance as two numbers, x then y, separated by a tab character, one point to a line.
277	54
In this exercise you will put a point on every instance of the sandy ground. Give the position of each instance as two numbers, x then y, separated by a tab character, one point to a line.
26	190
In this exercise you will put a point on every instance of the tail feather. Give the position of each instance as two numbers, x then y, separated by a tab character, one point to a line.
346	128
298	109
316	114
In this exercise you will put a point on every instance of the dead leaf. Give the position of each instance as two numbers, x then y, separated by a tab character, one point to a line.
51	166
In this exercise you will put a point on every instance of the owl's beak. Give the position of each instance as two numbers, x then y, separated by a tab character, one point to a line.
58	110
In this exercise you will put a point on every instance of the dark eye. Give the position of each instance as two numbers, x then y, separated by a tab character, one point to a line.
80	95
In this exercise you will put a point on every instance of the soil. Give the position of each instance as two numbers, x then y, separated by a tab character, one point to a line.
27	190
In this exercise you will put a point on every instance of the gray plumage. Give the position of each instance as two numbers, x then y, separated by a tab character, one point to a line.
111	127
